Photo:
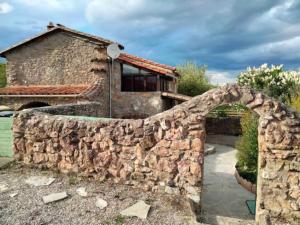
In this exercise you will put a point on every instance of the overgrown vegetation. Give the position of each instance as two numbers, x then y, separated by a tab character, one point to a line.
2	75
193	80
227	110
275	82
247	147
295	103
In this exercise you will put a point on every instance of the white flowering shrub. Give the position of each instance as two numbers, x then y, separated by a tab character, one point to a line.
273	81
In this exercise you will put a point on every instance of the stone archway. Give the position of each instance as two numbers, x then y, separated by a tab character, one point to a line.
278	191
165	152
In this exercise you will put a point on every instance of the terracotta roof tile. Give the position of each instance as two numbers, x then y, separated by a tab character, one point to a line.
44	90
148	64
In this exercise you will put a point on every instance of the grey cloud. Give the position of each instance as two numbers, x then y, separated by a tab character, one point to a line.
227	35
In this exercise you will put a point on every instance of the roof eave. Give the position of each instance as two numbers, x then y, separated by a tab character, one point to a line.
164	74
4	52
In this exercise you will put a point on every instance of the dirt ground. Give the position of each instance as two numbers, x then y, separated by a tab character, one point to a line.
27	207
223	200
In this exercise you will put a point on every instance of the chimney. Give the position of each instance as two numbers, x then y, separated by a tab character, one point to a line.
50	26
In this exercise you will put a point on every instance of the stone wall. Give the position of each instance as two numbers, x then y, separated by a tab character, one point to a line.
93	109
165	152
226	125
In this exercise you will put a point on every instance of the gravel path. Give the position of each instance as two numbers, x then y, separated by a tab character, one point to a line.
27	207
223	199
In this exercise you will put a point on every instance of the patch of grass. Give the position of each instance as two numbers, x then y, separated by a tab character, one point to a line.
117	220
2	75
8	165
73	180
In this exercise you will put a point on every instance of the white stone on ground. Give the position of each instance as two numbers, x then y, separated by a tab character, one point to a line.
3	187
209	149
101	203
39	181
13	194
81	191
54	197
140	210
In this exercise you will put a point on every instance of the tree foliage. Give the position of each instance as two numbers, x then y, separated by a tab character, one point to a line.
192	81
2	75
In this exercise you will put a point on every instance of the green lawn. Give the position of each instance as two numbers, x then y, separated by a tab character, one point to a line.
6	137
2	75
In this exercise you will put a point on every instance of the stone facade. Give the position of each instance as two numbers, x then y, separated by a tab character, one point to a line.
165	151
57	59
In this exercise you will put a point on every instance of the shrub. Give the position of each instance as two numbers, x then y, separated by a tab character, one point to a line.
247	146
273	81
295	103
192	81
2	75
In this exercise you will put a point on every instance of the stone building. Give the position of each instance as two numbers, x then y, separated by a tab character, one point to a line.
63	66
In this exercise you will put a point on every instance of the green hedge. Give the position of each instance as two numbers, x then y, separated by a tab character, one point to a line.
2	75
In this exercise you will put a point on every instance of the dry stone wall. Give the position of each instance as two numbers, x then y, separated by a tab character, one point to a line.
165	152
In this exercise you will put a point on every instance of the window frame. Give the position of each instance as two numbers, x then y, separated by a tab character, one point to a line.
139	74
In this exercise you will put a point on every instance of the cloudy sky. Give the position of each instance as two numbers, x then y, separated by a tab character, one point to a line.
225	35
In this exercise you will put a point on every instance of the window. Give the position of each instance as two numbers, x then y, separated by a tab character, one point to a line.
165	84
138	83
151	83
135	79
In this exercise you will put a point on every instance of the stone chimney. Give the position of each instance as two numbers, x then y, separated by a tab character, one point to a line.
50	26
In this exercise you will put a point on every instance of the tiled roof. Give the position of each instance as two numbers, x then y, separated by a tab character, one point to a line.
56	29
45	90
148	64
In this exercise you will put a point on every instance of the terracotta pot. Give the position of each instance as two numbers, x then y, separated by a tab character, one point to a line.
245	183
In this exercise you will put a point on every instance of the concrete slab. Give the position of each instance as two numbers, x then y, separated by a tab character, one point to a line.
39	181
140	210
54	197
223	199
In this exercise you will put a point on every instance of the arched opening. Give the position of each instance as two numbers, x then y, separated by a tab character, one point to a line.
278	150
33	105
225	200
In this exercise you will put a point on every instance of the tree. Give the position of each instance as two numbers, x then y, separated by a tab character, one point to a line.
2	75
192	81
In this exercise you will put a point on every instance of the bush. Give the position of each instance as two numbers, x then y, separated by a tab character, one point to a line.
247	146
2	75
295	104
192	81
273	81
